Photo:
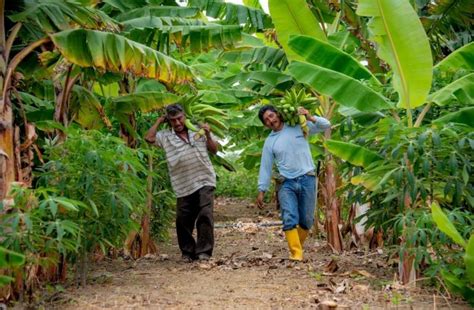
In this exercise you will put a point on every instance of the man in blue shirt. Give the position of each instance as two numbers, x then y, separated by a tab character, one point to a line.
288	148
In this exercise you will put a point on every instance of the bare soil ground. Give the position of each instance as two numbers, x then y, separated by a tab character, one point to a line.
250	270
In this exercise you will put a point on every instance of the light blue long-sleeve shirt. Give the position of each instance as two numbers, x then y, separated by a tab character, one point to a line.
290	151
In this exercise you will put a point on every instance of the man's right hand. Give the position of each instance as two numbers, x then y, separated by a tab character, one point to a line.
259	201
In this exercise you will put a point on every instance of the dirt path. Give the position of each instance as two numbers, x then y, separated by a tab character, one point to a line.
249	270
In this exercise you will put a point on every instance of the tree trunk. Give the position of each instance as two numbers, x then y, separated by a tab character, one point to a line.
332	208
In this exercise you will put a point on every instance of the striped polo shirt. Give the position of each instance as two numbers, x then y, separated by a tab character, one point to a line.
189	165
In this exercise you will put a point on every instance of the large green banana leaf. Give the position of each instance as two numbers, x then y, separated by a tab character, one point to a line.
325	55
112	52
267	77
461	90
170	11
56	15
199	38
403	44
87	109
353	153
342	88
445	225
144	102
159	21
231	13
469	259
270	56
9	259
220	97
463	116
462	58
293	17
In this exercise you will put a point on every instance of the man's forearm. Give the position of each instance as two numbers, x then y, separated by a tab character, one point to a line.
211	144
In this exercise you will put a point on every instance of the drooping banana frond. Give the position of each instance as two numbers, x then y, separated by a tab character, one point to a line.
269	56
403	44
198	38
86	109
56	15
115	53
144	102
263	82
231	13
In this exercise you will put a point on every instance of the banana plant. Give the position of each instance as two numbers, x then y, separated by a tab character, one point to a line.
332	72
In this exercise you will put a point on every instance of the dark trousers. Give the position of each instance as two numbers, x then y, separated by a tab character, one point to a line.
196	210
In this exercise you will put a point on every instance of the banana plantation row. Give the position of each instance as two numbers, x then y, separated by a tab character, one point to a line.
82	82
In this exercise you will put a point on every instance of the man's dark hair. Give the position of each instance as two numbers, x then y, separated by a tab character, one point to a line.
264	109
174	109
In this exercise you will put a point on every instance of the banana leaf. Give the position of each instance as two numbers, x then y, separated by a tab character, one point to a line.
221	161
158	21
56	15
158	11
461	90
353	153
469	259
342	88
462	58
445	225
403	44
267	77
231	13
9	259
293	17
144	102
199	38
212	97
463	116
269	56
325	55
87	110
112	52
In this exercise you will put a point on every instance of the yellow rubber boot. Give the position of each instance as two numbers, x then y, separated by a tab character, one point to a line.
296	251
303	234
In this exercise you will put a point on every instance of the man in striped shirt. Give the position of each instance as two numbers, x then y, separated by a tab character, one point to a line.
193	180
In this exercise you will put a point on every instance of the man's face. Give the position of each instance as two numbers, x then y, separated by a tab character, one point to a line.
177	122
272	120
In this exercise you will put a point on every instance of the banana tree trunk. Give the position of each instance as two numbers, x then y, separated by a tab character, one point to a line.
331	201
7	166
333	214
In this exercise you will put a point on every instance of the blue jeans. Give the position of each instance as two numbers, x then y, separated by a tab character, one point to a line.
297	202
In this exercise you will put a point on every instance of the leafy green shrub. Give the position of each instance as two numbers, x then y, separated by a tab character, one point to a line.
164	201
107	176
239	184
39	226
459	274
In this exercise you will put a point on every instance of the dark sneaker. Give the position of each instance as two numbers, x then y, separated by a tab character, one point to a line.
186	258
204	256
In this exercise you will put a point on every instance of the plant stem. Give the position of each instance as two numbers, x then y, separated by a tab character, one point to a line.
422	115
410	118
